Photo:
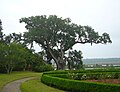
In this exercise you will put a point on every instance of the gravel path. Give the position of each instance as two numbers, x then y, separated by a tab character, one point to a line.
15	85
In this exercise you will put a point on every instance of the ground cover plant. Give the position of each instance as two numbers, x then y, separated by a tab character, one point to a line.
67	82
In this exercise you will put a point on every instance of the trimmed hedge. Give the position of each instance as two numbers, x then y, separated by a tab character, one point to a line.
88	76
79	86
83	71
85	75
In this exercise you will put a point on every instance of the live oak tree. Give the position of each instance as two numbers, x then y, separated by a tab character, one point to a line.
57	35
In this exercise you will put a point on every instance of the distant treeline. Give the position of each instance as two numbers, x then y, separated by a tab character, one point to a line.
101	61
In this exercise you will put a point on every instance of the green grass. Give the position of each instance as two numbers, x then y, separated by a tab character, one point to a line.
35	85
29	86
6	78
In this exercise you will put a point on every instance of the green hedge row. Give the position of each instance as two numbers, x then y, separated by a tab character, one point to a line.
83	71
89	76
79	86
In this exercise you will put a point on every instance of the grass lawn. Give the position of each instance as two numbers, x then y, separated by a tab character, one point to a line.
36	86
6	78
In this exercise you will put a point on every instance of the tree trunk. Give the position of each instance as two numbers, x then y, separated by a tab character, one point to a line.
58	60
61	64
62	58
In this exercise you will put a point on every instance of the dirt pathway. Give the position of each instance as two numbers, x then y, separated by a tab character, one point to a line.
15	85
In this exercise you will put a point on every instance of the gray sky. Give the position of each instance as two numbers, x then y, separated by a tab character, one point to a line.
102	15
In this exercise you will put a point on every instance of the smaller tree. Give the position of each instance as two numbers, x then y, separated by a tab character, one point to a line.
39	65
11	55
6	57
74	60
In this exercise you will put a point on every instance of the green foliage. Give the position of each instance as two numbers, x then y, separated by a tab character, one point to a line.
43	68
88	76
74	60
98	76
38	64
6	78
57	35
72	75
57	72
15	56
2	69
83	71
9	55
78	86
36	86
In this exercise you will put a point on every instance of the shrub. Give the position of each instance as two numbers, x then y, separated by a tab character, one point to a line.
85	75
79	86
60	75
43	68
84	71
2	69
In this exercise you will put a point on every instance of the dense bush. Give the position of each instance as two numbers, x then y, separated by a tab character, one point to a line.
17	57
2	69
43	68
79	86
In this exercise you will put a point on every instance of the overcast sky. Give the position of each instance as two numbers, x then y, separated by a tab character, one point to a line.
101	15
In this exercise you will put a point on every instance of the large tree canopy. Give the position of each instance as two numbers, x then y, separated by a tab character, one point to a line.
57	35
